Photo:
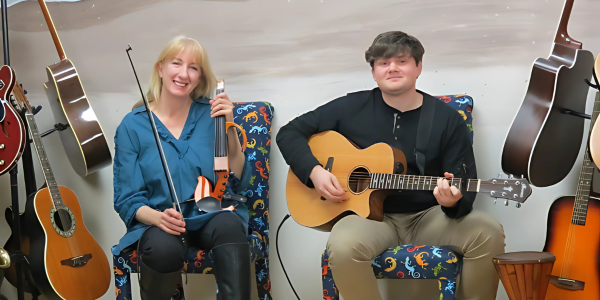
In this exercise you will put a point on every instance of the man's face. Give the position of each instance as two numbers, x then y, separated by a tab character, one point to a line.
396	75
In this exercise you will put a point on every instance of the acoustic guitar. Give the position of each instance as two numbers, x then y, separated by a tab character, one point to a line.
65	260
369	176
573	236
12	131
544	127
83	140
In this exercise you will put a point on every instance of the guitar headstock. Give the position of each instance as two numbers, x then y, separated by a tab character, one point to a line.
20	98
515	189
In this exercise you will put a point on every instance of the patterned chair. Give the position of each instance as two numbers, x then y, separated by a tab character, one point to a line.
255	118
415	262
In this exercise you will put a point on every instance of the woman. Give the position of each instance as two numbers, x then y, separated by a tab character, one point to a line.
182	82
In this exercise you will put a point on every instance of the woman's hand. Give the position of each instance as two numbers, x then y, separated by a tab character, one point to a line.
222	106
170	221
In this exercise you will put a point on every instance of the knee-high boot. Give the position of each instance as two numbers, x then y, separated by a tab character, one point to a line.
232	270
155	285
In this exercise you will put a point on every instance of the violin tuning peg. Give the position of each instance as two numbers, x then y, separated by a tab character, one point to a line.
505	202
518	205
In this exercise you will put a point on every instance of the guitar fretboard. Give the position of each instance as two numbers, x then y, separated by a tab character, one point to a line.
582	196
45	164
416	182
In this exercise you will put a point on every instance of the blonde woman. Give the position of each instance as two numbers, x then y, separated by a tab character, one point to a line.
182	82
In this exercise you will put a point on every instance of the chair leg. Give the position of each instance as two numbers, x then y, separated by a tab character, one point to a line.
330	292
123	286
447	289
263	279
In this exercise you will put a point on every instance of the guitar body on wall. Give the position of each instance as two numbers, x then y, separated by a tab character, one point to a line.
84	141
556	87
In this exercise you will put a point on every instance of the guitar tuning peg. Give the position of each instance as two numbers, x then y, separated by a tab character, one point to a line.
518	205
510	176
505	202
522	176
499	175
25	92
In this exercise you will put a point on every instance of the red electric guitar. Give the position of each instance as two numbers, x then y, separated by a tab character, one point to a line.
12	131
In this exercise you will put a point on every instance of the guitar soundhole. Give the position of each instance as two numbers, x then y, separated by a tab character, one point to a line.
359	180
63	220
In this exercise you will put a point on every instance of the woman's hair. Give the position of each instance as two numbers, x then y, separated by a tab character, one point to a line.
208	81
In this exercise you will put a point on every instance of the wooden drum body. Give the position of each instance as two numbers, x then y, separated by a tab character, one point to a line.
525	275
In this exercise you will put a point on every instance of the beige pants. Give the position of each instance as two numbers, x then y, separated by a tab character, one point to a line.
355	241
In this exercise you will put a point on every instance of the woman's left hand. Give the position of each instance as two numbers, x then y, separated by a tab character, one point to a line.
222	106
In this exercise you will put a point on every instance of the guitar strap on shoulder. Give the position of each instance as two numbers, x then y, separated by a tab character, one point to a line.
423	132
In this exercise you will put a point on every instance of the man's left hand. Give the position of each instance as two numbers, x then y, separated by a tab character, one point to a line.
445	194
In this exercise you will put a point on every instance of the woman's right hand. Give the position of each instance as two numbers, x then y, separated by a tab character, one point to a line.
170	221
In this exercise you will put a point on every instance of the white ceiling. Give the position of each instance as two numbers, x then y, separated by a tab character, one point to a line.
254	39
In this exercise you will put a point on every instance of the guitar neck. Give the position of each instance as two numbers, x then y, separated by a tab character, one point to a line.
417	183
43	158
59	47
562	37
585	177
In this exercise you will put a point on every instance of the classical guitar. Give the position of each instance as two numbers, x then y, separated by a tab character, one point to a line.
545	127
573	236
369	176
12	131
206	196
65	260
83	140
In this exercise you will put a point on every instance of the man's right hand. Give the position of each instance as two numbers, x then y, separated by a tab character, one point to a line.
327	185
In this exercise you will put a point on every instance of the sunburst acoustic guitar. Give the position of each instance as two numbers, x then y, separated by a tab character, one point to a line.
369	176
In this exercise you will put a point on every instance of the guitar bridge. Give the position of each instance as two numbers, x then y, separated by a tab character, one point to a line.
78	261
567	284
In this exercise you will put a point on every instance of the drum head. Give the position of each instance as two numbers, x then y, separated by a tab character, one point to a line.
525	257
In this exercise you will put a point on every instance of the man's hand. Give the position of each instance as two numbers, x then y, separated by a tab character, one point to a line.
327	185
445	194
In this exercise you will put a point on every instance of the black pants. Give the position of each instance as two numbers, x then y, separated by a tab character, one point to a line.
164	253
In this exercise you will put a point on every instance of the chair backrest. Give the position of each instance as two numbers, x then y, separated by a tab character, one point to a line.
255	118
464	105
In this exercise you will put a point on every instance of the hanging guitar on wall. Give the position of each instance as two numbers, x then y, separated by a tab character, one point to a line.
547	125
83	139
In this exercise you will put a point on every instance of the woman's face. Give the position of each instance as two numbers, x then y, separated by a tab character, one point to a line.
180	74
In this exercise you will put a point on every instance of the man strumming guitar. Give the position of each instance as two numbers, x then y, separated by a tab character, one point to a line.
390	114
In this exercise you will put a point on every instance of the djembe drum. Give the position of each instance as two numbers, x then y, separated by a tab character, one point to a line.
525	275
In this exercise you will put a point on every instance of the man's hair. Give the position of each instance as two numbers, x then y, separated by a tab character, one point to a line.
394	43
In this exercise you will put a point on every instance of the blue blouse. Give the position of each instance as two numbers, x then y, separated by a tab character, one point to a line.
139	179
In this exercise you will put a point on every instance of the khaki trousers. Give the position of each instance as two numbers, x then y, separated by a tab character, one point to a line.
355	241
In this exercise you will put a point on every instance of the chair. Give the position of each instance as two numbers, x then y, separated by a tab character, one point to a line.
410	261
255	118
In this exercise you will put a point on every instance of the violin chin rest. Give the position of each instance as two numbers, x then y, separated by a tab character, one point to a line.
209	204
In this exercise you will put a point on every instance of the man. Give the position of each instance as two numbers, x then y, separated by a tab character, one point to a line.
390	114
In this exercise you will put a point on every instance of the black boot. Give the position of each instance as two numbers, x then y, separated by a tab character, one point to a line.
155	285
232	271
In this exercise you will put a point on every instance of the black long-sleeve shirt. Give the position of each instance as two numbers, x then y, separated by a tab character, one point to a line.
367	120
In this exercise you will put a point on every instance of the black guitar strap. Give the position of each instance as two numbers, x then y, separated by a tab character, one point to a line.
423	132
